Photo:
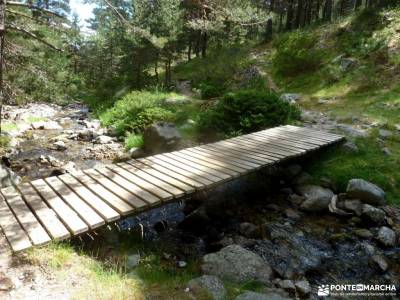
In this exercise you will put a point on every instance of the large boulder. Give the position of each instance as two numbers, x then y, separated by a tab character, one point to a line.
161	137
258	296
237	264
291	98
366	191
373	214
386	236
207	285
8	177
46	125
316	198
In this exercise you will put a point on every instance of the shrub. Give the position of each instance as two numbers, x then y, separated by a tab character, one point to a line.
247	111
136	110
296	53
209	91
133	141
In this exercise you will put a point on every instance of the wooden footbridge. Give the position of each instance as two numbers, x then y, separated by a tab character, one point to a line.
61	207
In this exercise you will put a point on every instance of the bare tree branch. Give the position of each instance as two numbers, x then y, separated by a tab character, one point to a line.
35	7
34	36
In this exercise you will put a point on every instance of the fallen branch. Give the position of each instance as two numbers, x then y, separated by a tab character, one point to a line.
35	7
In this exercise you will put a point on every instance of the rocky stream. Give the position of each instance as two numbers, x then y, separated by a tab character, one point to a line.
275	227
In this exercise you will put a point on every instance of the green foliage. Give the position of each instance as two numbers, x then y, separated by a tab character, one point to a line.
136	110
4	141
297	52
247	111
133	141
209	91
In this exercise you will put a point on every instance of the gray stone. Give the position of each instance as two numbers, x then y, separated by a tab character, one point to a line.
95	124
177	101
303	287
292	214
46	125
380	262
383	133
302	178
386	236
363	233
136	152
373	214
397	126
354	206
350	147
103	139
290	97
346	63
258	296
386	151
132	261
366	192
352	131
210	285
8	177
248	230
5	283
237	264
286	284
316	198
161	137
182	263
292	171
296	199
60	146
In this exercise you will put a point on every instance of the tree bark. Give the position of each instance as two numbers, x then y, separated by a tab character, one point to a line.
300	4
289	16
2	39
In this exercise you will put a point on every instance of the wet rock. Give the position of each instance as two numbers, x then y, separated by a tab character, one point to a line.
386	236
237	264
136	152
8	177
373	214
258	296
177	101
302	178
380	262
103	139
46	125
70	167
386	151
83	135
352	131
94	123
132	261
384	134
208	285
60	146
354	206
249	230
347	63
287	285
303	287
161	137
316	197
296	199
292	171
292	214
290	97
363	233
181	264
5	283
350	147
366	192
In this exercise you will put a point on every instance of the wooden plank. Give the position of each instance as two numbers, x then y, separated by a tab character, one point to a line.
13	231
187	180
149	198
202	168
264	144
253	155
152	188
165	177
313	132
285	144
26	218
189	168
229	156
258	150
70	219
216	160
133	200
313	139
237	153
87	214
220	167
159	183
47	216
97	204
113	200
176	167
298	141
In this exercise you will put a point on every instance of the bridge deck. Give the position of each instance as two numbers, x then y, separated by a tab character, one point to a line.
60	207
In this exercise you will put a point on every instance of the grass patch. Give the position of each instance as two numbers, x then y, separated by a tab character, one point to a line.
9	126
33	119
133	141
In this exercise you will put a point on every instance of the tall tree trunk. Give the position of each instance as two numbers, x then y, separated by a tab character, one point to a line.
299	13
2	39
268	30
357	4
280	21
156	67
289	16
204	44
317	10
189	52
327	11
